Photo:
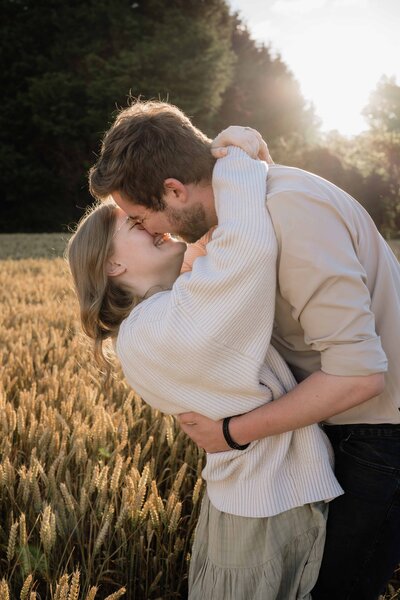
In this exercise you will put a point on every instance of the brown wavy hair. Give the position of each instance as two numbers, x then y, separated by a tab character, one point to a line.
103	303
149	142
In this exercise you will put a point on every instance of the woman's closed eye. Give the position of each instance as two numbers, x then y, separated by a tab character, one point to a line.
138	224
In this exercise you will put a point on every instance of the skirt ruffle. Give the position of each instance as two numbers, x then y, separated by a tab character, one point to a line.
244	558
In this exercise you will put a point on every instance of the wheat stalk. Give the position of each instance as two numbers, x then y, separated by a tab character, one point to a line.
26	587
11	541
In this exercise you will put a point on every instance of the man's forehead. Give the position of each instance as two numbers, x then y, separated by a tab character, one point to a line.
134	211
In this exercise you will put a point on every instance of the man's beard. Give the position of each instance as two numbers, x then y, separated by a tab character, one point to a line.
190	223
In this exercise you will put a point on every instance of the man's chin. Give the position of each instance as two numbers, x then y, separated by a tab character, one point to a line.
191	236
190	224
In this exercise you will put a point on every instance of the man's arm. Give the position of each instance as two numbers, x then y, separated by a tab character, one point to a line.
315	399
321	278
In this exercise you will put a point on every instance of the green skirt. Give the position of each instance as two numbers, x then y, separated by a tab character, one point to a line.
268	558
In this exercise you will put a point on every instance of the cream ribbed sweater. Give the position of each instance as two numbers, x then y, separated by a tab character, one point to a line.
205	346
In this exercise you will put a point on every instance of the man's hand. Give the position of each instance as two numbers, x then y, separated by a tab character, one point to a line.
205	432
246	138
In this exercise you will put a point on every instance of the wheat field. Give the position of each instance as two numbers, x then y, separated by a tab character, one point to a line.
99	494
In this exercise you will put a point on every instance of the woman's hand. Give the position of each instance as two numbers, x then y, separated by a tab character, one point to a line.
205	432
246	138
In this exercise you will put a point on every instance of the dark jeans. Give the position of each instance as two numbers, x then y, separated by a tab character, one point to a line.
363	534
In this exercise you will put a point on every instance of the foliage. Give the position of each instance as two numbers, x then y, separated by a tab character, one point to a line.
68	65
382	146
371	161
367	166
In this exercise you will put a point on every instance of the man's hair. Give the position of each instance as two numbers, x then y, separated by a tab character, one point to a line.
149	142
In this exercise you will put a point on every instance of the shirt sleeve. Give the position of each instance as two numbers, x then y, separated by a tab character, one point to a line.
322	279
195	250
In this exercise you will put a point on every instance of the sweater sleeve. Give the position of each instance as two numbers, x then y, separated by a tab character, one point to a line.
201	345
236	279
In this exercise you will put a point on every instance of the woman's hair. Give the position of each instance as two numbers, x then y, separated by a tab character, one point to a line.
103	303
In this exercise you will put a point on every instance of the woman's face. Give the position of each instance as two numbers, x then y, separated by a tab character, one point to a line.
141	260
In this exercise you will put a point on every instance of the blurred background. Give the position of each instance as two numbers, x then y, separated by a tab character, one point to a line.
316	77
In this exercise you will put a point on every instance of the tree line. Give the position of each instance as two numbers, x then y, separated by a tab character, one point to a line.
68	66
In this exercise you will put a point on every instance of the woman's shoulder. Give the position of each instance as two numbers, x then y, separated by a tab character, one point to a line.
147	311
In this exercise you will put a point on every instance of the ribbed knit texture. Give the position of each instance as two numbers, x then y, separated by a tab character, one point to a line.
205	346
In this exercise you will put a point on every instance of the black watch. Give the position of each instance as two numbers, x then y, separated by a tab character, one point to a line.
231	443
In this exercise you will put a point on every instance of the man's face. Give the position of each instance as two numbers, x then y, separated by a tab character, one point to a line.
189	222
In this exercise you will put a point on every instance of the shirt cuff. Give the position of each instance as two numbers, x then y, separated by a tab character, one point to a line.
358	358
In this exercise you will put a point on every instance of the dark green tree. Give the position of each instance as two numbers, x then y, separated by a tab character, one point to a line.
68	66
379	148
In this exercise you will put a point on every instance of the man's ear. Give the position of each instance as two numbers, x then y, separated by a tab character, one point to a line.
176	192
114	269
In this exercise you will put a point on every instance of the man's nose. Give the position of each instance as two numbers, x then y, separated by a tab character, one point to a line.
152	231
149	229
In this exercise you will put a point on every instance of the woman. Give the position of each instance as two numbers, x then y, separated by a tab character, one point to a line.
200	341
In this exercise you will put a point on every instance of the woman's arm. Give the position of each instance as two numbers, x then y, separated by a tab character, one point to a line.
201	346
249	140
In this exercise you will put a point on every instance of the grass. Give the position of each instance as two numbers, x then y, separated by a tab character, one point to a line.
99	494
32	245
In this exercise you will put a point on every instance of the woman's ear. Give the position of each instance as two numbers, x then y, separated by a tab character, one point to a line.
114	269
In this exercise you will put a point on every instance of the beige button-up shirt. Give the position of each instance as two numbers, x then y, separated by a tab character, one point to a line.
338	298
338	289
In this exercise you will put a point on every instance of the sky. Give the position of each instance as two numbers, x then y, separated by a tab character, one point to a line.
336	49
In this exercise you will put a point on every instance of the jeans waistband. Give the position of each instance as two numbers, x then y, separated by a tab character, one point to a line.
365	429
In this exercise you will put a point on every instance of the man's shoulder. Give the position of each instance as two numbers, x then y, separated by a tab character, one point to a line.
304	205
292	180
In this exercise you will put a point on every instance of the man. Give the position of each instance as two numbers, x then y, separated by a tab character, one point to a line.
337	324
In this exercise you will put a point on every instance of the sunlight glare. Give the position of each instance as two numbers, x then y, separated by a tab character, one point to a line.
337	50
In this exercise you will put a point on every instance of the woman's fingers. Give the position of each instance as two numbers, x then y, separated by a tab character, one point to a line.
205	432
264	154
219	152
246	138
